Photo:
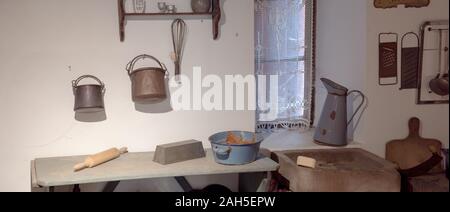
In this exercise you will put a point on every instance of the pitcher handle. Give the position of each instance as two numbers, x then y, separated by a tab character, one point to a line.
359	107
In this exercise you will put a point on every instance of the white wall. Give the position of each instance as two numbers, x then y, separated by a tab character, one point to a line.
341	48
390	109
40	39
348	53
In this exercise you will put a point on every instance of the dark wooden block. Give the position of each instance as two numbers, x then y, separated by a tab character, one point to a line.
179	152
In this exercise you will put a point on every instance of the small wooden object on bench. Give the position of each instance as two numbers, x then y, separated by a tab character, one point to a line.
100	158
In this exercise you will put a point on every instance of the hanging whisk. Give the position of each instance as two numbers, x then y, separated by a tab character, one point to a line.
178	36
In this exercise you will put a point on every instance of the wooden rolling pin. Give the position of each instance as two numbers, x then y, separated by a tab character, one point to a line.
100	158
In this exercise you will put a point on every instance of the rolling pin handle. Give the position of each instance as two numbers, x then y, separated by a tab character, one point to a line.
123	150
80	167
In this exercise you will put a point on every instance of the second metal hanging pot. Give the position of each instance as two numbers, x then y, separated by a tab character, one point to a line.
148	83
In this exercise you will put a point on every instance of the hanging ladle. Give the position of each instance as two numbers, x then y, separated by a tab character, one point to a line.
439	85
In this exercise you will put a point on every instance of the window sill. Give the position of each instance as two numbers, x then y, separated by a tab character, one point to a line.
297	140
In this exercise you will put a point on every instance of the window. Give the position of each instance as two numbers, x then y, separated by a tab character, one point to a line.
284	47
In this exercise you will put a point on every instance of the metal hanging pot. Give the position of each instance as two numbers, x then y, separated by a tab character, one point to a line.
148	83
88	98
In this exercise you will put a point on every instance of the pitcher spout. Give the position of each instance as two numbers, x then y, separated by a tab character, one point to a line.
334	88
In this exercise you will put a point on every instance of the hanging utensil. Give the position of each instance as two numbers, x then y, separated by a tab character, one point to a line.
178	36
439	85
445	77
410	63
444	58
388	59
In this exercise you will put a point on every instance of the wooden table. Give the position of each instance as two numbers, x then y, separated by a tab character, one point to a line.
52	172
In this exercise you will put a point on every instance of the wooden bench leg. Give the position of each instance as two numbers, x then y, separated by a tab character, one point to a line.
110	186
269	182
76	189
184	184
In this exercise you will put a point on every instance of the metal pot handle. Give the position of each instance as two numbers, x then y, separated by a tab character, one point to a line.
77	81
130	65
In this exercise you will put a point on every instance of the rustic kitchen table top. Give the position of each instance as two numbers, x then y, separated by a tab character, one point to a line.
49	172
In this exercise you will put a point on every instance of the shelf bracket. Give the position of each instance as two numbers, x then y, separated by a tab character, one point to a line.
216	15
121	19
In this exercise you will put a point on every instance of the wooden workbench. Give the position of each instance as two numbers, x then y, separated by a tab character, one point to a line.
58	171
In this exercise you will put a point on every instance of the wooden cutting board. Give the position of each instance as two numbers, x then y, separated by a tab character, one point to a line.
413	150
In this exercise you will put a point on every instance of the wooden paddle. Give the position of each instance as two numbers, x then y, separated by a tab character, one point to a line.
413	150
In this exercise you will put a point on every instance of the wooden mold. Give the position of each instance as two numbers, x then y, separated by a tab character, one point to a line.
179	152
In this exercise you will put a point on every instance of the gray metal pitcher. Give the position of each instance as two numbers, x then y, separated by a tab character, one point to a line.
333	124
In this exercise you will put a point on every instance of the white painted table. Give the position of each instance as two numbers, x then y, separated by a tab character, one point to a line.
51	172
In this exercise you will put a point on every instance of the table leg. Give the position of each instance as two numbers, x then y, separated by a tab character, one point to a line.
76	188
252	182
110	186
268	182
184	184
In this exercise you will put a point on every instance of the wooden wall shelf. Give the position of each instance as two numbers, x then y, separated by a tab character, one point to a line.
215	15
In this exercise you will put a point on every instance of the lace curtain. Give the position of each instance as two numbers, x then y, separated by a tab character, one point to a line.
283	45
